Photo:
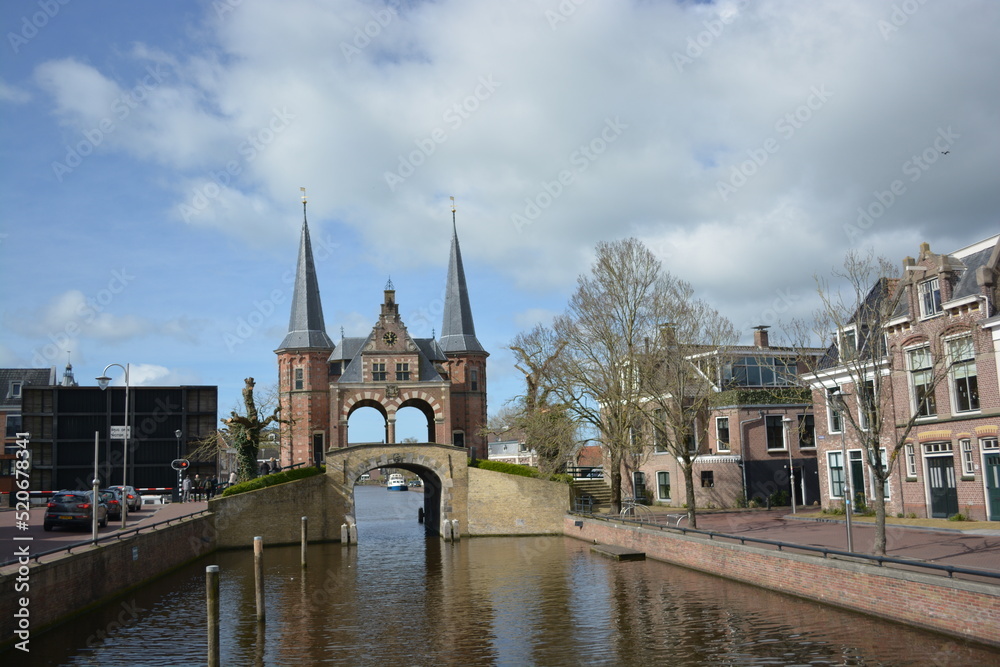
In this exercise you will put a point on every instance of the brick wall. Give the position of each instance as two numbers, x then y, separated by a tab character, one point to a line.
960	608
66	586
501	504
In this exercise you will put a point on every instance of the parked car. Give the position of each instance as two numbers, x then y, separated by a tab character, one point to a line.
113	499
74	508
132	497
596	473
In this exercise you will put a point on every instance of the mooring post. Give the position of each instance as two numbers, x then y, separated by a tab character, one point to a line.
455	535
354	533
212	601
258	570
345	536
305	532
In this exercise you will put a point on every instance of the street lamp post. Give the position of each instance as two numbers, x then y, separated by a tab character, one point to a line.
103	381
791	468
177	492
838	399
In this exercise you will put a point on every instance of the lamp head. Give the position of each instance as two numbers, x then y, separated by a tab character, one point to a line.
103	382
178	433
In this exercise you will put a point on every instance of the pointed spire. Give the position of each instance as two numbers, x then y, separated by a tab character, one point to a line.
306	328
458	332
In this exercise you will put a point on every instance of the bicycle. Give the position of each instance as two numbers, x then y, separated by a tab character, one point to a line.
633	510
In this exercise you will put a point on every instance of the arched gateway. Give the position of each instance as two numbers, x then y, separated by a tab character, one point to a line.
322	383
443	469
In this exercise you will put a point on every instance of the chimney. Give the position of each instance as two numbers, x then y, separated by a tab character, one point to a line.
760	335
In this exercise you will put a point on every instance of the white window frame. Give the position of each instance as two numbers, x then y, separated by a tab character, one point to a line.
659	486
728	447
830	467
929	288
784	434
845	350
660	432
298	379
16	387
968	460
911	379
989	444
911	461
862	416
832	410
798	431
954	370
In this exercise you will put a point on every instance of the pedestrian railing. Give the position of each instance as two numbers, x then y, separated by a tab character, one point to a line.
827	552
107	538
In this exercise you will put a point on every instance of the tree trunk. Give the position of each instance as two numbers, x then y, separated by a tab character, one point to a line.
689	488
616	484
879	500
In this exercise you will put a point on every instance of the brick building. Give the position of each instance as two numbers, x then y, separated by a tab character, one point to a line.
940	369
322	384
758	428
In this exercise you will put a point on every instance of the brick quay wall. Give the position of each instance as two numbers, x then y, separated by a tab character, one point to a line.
61	587
959	608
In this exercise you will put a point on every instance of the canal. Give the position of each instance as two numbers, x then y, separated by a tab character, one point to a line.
401	598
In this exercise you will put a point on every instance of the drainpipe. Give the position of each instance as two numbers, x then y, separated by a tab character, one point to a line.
745	452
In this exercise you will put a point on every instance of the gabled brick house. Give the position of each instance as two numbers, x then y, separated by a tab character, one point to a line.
943	325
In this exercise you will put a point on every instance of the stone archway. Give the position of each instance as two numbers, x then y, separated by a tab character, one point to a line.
375	405
443	468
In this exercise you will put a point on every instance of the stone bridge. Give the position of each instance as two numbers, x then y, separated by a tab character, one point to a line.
443	469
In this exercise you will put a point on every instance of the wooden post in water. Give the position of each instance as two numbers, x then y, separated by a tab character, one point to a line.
305	532
212	601
345	536
258	570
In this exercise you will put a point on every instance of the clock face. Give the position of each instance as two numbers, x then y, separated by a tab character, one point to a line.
389	338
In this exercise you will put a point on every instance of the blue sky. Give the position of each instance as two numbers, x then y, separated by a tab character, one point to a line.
153	155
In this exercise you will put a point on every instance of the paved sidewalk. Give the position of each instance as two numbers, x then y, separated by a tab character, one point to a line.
975	548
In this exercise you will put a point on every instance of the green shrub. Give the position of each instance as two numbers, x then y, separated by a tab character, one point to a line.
958	517
517	469
270	480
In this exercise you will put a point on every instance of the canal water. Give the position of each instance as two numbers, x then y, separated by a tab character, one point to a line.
399	597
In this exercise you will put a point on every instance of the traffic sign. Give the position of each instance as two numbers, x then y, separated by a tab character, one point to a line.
118	432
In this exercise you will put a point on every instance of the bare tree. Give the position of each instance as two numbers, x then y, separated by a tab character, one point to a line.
865	370
678	374
615	308
246	430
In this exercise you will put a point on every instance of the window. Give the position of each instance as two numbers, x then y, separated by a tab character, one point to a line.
835	462
663	485
691	439
659	432
867	405
921	379
929	293
759	372
911	462
722	433
775	431
807	432
458	439
937	447
707	479
13	425
989	443
848	343
378	372
15	389
835	420
298	378
402	372
474	379
963	374
967	461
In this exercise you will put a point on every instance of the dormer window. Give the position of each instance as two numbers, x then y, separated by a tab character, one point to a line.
848	343
929	293
15	389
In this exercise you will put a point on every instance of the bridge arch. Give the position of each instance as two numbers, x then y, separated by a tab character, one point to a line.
443	469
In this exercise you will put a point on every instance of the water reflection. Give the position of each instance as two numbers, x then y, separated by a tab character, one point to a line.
399	596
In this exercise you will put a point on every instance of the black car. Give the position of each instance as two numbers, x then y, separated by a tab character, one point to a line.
131	496
74	508
113	499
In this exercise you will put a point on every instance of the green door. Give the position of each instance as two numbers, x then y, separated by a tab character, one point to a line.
992	472
858	482
944	493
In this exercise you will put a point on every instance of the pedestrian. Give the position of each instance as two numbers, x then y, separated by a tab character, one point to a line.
275	466
264	468
199	487
186	487
210	486
232	478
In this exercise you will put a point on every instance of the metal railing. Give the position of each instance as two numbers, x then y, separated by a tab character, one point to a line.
951	570
107	538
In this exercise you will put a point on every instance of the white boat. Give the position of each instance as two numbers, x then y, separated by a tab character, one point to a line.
396	482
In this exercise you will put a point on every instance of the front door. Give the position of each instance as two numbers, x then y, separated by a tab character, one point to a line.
944	493
639	485
992	472
858	481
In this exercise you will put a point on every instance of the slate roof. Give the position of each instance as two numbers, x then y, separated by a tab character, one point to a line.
966	265
306	327
458	331
39	377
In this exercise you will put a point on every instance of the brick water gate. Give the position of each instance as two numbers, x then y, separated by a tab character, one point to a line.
443	469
